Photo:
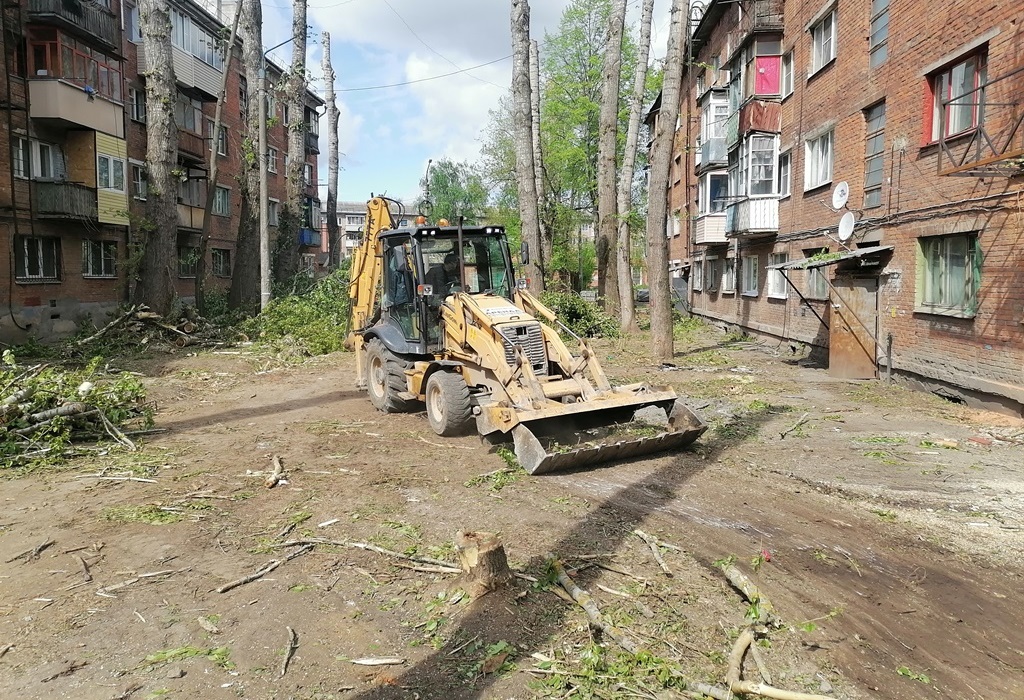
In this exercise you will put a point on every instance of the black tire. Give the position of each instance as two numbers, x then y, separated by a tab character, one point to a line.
385	379
449	411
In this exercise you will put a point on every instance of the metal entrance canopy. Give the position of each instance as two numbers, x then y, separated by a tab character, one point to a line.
858	254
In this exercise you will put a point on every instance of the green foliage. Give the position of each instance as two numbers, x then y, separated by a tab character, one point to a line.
913	675
583	317
455	189
221	656
500	478
315	319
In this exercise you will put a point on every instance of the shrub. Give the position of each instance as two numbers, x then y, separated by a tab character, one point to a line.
583	317
316	318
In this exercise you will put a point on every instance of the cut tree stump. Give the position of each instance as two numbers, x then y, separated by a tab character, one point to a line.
484	564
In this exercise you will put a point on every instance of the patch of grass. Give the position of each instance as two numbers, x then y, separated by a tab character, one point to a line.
913	675
220	656
150	514
886	515
683	328
882	456
707	358
301	588
500	478
884	440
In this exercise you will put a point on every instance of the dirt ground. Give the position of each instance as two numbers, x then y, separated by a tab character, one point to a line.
886	529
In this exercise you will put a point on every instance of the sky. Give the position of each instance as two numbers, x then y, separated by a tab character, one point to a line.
387	135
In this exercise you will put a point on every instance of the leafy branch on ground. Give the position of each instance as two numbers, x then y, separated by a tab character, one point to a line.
584	318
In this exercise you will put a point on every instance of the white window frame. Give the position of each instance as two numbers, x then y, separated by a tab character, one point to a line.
137	105
105	257
706	205
30	155
272	155
729	276
777	286
711	275
818	155
113	166
785	174
22	273
21	155
823	42
222	201
786	79
817	285
748	273
307	174
225	258
132	24
937	250
697	275
273	211
140	187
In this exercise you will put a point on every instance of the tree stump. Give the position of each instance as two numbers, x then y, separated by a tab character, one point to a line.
484	565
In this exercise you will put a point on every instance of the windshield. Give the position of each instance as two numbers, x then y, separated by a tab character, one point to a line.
485	261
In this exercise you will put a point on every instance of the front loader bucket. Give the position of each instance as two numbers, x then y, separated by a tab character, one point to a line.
554	443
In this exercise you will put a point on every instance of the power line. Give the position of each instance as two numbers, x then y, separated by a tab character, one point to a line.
423	80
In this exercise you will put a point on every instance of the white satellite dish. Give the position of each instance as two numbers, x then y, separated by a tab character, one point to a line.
846	224
841	195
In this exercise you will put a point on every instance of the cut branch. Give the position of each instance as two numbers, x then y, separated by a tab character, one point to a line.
584	600
270	566
289	652
276	475
787	431
653	543
736	685
740	581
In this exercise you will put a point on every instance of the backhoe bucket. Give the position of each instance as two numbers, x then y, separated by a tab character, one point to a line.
586	435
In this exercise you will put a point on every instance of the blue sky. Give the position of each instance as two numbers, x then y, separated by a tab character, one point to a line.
387	135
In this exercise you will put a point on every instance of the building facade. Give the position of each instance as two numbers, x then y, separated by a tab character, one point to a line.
73	189
850	177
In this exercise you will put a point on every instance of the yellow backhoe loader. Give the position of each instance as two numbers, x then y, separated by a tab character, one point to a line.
438	319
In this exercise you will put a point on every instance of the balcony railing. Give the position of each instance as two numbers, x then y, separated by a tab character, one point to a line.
86	19
709	229
192	144
732	129
752	217
63	200
312	142
713	151
757	16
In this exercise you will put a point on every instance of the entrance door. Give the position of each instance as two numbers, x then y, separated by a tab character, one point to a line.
852	347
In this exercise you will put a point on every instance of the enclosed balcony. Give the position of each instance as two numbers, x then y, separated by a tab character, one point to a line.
309	237
63	200
709	229
85	19
752	218
757	16
713	152
189	71
69	105
312	143
190	217
192	144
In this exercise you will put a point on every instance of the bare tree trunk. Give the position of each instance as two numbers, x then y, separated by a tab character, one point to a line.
607	147
333	242
211	178
245	274
160	230
546	245
657	211
291	217
623	245
528	214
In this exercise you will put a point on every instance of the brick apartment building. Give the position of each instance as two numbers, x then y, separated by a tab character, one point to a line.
913	113
351	224
75	107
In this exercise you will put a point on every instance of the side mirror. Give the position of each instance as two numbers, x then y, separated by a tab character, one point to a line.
524	253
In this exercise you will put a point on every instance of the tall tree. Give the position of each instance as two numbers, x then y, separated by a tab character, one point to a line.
214	167
245	275
608	132
657	210
456	189
295	100
623	244
538	158
528	213
333	241
160	230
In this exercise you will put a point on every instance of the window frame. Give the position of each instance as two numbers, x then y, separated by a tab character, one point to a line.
820	61
273	211
711	281
188	261
729	274
878	47
940	85
21	156
817	159
784	185
874	153
220	262
140	186
972	264
697	275
776	285
112	162
750	264
22	259
705	205
788	72
272	156
137	105
221	201
107	253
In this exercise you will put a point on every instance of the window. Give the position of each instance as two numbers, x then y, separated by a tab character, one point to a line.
752	166
20	156
307	175
222	201
272	207
777	285
188	114
57	55
110	173
818	161
243	95
139	186
356	220
190	192
711	278
729	276
222	141
712	193
697	275
137	105
132	25
272	160
787	74
785	171
948	274
37	259
957	97
312	123
713	116
748	270
285	114
878	41
874	155
188	261
43	165
221	262
191	38
763	68
817	287
99	258
823	42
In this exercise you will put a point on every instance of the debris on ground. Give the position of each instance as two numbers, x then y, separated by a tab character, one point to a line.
138	326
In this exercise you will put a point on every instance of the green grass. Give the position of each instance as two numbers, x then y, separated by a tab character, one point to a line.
221	656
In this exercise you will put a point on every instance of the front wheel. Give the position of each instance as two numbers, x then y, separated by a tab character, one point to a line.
449	411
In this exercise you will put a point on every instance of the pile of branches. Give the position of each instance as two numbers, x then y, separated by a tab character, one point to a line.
138	325
44	409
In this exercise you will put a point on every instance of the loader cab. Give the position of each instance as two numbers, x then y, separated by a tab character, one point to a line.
424	265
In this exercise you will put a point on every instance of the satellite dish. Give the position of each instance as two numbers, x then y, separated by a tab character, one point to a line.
846	224
841	195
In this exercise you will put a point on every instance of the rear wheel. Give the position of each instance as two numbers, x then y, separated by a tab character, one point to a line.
449	411
386	379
